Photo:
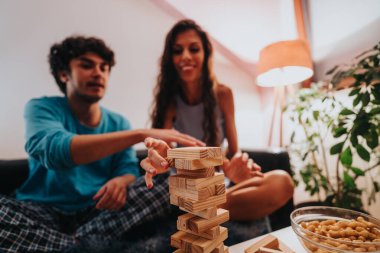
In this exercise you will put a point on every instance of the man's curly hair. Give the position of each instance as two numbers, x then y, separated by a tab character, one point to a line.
73	47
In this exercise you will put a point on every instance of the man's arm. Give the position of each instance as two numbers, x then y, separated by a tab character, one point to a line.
90	148
48	141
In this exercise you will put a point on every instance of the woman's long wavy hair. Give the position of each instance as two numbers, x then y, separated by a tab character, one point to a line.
169	83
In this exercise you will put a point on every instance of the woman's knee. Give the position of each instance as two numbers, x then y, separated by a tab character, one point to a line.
281	182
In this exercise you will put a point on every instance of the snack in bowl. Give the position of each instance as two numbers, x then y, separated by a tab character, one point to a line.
329	229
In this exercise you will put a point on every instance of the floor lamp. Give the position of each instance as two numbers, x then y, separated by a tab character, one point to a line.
280	64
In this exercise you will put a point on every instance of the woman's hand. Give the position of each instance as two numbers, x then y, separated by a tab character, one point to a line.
113	195
171	135
241	168
155	163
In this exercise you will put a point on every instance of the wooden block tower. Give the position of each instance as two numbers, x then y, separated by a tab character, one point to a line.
197	189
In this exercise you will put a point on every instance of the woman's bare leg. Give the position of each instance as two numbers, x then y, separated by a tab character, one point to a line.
259	196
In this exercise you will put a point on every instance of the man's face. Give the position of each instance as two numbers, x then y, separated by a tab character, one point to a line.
88	78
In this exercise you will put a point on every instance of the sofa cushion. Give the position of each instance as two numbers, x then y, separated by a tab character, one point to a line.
12	174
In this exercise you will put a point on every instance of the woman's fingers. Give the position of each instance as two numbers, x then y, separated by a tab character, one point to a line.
237	154
256	174
184	139
154	163
171	135
159	145
244	160
156	143
187	140
149	142
245	157
157	160
256	167
148	180
250	164
148	167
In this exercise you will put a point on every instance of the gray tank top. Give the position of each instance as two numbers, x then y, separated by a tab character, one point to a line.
189	119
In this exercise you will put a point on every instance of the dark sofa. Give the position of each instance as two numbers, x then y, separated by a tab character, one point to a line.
14	172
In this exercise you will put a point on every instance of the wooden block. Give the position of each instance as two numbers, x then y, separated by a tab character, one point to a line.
196	164
188	183
218	249
200	194
197	205
206	213
201	173
195	152
194	224
220	189
210	234
195	244
268	241
170	162
268	250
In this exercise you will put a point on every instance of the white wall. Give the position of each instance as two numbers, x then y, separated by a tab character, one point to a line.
341	30
134	29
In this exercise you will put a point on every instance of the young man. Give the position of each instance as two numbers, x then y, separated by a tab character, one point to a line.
83	177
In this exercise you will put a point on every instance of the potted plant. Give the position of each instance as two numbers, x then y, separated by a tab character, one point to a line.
338	144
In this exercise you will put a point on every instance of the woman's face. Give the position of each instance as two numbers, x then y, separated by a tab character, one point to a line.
188	56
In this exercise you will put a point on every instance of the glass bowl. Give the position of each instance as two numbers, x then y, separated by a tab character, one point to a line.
322	229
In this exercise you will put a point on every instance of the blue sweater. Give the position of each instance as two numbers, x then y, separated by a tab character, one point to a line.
54	178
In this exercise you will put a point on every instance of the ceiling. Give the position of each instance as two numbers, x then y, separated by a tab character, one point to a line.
337	30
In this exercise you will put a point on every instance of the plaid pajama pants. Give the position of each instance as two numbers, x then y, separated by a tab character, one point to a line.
34	227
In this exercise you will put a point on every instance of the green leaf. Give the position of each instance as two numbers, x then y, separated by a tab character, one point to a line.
339	132
354	92
357	99
361	125
365	99
346	111
357	171
376	91
354	139
348	180
363	153
375	111
315	115
372	138
346	157
337	148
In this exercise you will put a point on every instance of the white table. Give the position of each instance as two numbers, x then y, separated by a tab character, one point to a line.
285	235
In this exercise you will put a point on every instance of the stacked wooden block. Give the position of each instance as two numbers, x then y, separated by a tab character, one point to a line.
197	189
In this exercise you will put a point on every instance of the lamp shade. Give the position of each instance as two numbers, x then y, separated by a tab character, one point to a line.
284	63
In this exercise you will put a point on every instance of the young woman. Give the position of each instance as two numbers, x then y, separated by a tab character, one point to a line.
189	99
